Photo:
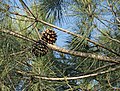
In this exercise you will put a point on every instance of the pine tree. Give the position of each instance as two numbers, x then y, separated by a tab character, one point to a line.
30	59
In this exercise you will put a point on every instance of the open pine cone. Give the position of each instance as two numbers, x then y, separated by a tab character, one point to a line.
49	36
40	48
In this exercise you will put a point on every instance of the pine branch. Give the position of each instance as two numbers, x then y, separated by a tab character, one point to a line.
66	31
79	36
75	53
69	78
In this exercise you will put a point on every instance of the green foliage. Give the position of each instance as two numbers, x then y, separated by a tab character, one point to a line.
97	20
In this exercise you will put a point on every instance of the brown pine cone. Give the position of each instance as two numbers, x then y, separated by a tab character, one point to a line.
49	36
40	48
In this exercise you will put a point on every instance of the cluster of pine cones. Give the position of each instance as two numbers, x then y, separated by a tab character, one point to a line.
40	48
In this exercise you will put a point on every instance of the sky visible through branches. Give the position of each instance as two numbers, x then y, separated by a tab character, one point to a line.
85	56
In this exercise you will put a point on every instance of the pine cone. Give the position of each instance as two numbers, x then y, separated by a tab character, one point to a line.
40	48
49	36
